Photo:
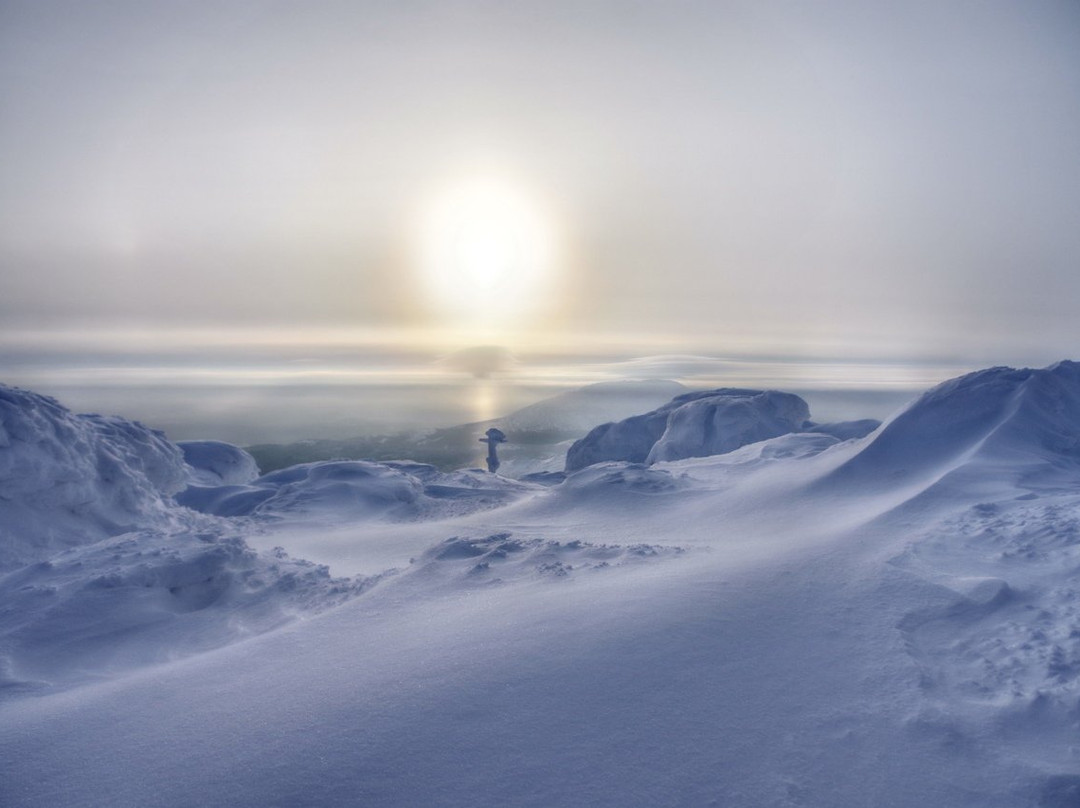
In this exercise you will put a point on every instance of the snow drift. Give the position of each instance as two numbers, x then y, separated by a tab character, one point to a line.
67	479
100	570
149	597
1024	423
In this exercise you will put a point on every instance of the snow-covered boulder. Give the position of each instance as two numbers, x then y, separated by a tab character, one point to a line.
722	423
692	425
215	462
67	479
629	440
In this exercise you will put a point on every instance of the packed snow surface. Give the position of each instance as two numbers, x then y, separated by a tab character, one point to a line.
821	617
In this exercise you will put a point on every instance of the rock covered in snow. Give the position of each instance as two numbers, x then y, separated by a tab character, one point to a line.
629	440
692	425
66	479
215	462
719	424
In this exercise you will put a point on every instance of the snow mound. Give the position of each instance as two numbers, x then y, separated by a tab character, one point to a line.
1027	420
215	462
100	571
692	425
148	597
358	489
68	479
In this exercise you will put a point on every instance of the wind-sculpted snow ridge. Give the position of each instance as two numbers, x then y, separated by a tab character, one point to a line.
100	571
149	597
692	425
1025	423
395	491
67	479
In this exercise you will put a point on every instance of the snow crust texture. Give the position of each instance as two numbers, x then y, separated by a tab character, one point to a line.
67	479
148	597
101	570
692	425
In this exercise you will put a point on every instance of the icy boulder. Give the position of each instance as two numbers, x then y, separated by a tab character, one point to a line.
719	424
67	479
1025	420
214	462
692	425
630	441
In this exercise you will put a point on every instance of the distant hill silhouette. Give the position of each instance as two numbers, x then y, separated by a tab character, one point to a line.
532	431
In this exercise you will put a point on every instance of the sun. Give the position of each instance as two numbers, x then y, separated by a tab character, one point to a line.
486	254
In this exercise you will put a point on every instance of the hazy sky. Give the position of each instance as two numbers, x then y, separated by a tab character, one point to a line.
894	179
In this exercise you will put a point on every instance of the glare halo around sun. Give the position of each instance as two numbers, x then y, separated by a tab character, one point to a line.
486	254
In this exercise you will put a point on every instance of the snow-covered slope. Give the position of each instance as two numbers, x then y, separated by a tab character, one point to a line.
804	621
66	479
101	571
1000	424
149	597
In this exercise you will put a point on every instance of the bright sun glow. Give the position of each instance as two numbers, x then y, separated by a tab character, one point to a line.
486	254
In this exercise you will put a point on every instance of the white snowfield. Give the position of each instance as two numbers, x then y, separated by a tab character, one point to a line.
889	620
